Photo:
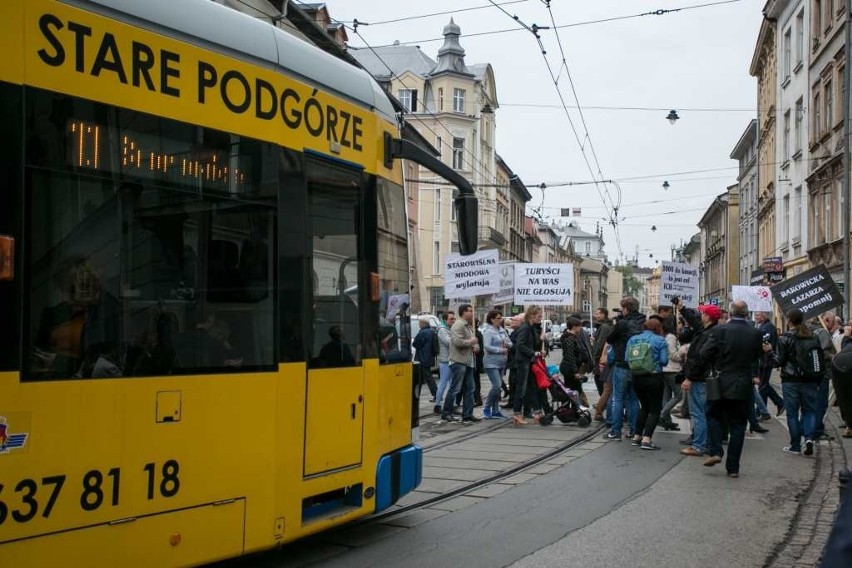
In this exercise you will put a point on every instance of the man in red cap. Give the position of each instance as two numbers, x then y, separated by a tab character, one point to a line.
695	386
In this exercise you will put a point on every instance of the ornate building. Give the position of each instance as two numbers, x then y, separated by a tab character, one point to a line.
720	239
763	67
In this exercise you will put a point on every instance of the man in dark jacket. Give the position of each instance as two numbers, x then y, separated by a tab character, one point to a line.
695	372
766	390
425	355
603	375
736	348
630	324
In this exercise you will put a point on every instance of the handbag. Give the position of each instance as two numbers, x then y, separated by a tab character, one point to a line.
714	387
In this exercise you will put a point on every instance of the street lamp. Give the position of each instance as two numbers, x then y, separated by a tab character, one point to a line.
666	185
672	117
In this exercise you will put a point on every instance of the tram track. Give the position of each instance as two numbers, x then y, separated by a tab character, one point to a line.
483	481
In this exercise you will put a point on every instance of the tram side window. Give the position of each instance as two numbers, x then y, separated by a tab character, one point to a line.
394	327
334	216
151	245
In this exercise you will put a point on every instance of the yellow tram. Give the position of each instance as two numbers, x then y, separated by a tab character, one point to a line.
203	278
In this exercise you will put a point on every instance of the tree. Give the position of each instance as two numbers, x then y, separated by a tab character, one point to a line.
632	285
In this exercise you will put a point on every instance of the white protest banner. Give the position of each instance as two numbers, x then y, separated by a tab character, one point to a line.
681	280
395	302
544	284
506	292
473	275
758	298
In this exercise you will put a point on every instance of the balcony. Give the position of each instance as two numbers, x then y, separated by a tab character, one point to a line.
490	235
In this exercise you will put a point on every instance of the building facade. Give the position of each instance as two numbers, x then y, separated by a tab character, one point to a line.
513	249
764	69
745	152
720	237
826	144
453	106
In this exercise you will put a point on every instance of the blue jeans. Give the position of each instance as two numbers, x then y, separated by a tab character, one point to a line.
623	395
821	406
443	382
492	401
761	406
698	415
457	376
800	396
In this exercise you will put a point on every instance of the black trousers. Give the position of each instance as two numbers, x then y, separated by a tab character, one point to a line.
427	379
649	391
735	413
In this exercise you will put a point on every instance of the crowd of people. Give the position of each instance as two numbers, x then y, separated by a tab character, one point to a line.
708	365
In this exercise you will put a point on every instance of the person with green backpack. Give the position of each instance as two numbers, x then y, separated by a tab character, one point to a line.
646	354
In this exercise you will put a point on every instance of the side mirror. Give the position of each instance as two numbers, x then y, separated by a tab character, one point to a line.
467	214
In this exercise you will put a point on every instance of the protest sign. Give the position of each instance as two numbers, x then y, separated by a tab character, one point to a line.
681	280
544	284
506	292
758	298
813	292
473	275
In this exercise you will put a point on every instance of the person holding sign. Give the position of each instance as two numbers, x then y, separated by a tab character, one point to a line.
802	364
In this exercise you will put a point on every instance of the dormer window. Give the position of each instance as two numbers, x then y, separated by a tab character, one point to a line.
408	98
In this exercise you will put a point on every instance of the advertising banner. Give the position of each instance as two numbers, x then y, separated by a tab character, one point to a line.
681	280
473	275
544	284
813	292
758	298
506	292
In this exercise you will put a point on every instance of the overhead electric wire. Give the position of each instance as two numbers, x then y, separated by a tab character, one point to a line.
422	16
661	12
654	109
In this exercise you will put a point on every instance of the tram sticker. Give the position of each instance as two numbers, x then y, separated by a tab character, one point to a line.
9	440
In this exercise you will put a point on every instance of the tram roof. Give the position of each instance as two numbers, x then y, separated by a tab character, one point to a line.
211	25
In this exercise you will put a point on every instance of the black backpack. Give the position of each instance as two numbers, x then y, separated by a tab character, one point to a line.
810	358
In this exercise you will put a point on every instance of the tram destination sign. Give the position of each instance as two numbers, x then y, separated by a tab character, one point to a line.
813	292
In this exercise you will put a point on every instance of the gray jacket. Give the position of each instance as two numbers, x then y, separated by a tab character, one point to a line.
443	344
496	345
460	350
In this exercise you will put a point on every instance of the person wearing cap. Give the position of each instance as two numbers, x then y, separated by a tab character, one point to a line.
695	386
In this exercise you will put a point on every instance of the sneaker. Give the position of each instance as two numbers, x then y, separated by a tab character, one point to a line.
809	447
437	410
649	446
486	413
712	460
629	435
765	417
635	442
496	414
611	436
471	420
791	450
449	420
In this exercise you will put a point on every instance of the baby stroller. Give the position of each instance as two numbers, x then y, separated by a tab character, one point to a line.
566	402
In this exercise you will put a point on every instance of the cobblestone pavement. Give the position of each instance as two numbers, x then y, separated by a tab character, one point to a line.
818	503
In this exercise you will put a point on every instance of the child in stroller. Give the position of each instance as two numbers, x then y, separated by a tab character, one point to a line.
566	405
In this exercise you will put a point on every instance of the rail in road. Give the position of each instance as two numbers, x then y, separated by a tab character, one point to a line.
463	464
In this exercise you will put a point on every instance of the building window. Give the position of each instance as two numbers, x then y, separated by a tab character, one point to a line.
437	206
458	100
829	14
786	235
829	106
439	145
817	124
440	98
800	116
800	37
588	248
788	56
408	98
797	213
436	258
816	14
458	153
786	136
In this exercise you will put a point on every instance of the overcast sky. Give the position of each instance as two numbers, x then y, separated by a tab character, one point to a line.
695	58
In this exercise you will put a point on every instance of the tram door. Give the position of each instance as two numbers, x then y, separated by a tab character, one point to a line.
334	417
